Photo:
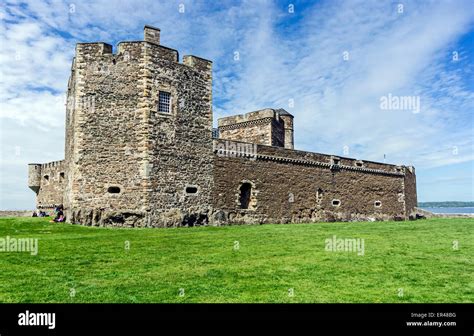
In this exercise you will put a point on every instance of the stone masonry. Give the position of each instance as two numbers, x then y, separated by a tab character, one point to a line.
265	127
140	153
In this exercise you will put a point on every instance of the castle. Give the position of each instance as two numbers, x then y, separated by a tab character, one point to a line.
141	152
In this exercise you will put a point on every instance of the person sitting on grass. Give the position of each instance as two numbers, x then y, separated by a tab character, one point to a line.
59	215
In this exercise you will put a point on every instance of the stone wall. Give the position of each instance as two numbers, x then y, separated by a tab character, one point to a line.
181	159
410	190
108	134
70	160
288	129
259	132
428	214
277	133
16	213
295	186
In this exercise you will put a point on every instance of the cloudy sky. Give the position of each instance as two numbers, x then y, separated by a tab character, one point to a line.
330	63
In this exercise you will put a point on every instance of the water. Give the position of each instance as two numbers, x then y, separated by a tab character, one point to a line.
451	210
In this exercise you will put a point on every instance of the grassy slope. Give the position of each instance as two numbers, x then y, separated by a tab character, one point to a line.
416	256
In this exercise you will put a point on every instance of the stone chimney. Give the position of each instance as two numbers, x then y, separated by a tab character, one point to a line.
152	34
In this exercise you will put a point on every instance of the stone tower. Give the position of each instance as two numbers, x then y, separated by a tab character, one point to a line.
138	135
287	119
270	127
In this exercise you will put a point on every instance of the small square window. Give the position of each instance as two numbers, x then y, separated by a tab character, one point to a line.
164	102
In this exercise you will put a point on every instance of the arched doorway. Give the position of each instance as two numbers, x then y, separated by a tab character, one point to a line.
245	192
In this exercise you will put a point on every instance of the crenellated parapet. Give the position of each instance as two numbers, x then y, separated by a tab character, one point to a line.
101	54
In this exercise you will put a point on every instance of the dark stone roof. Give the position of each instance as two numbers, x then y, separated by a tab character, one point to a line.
283	112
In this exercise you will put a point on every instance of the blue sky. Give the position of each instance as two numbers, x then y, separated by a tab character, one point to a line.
328	62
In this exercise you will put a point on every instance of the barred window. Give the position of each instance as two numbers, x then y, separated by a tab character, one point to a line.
164	102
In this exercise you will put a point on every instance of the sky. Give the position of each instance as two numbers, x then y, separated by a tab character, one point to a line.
339	67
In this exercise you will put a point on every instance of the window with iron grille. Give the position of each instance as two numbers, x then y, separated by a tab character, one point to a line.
164	102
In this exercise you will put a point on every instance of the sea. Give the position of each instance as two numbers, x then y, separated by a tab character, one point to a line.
451	210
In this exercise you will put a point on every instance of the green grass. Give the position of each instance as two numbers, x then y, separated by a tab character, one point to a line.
415	256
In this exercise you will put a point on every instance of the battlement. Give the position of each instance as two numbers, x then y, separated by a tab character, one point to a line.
197	62
52	164
133	51
247	117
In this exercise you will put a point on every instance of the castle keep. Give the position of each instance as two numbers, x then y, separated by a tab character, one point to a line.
141	152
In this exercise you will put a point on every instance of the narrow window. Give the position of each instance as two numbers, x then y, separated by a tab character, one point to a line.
46	177
336	202
191	190
164	102
113	190
61	176
245	192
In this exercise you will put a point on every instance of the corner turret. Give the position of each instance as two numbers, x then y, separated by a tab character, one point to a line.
34	176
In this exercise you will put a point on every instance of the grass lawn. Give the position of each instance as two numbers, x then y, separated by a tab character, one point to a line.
403	262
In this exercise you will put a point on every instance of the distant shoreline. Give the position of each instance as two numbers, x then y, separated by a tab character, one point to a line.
446	204
468	211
